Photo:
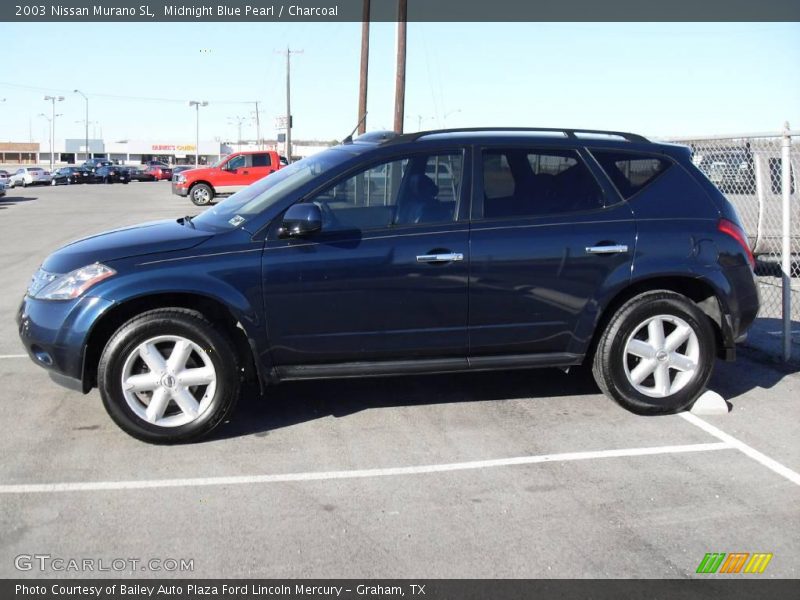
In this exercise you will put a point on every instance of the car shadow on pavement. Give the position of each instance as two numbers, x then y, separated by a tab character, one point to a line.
732	380
16	199
296	402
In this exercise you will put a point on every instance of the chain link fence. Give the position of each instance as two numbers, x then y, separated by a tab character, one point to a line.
756	172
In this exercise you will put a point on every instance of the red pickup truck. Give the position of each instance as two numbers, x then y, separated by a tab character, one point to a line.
228	175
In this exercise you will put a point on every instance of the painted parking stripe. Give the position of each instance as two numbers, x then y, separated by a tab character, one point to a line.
13	356
90	486
771	464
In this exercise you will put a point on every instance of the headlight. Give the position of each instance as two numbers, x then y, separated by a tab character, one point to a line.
180	178
48	286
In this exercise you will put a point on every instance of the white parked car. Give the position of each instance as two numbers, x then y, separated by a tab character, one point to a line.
26	176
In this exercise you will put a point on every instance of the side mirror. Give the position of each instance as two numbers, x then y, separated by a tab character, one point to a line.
301	220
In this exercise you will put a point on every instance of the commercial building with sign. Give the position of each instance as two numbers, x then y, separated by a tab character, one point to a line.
134	152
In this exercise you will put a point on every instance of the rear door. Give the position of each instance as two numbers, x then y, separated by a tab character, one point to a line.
260	165
550	242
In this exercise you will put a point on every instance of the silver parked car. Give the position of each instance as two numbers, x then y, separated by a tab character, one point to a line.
26	176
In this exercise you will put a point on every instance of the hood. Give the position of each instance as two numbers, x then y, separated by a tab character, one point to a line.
148	238
200	171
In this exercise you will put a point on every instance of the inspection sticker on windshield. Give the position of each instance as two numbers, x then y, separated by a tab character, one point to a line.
236	221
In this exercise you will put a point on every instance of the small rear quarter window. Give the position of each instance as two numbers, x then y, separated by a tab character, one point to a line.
630	172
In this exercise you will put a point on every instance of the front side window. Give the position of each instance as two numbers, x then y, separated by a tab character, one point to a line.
237	162
261	160
630	172
413	190
536	183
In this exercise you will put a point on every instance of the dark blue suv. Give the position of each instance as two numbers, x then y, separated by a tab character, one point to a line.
440	251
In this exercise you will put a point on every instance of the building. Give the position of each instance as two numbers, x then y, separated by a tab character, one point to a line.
134	152
19	153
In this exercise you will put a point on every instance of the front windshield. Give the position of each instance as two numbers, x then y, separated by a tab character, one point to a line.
253	200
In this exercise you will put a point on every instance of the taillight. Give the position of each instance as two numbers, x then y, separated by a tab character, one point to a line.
732	229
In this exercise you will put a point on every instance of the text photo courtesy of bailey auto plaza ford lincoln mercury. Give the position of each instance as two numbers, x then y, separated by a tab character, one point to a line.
399	298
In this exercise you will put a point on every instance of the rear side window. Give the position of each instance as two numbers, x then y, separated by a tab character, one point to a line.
535	183
629	172
261	160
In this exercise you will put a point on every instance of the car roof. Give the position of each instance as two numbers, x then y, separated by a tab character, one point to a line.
514	135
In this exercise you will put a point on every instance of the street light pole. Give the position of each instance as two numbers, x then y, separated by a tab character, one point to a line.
87	121
197	104
53	100
49	129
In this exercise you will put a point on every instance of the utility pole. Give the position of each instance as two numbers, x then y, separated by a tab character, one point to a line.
258	128
238	120
400	73
289	53
53	100
364	72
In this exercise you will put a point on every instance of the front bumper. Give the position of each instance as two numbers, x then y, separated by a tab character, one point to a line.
180	189
55	334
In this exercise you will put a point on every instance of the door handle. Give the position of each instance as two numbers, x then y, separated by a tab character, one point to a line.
245	172
433	258
613	249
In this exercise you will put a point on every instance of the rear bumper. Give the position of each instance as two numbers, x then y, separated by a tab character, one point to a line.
55	333
737	291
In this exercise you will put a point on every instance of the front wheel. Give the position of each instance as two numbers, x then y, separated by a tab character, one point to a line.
656	354
201	194
168	376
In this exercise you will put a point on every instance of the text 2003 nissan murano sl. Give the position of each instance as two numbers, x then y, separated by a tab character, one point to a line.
430	252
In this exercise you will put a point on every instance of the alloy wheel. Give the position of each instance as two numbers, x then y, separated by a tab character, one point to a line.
168	381
661	356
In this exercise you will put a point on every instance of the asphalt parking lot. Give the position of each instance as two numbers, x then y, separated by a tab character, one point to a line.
516	474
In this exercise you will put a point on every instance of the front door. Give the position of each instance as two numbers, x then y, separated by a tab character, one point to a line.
550	243
385	279
232	175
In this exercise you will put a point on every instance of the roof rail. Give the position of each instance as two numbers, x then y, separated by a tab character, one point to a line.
569	133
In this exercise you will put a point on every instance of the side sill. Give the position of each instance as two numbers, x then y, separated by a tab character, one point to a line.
416	367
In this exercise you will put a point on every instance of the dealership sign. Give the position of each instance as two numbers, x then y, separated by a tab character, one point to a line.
173	148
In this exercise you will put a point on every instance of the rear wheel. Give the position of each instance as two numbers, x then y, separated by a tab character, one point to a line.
656	354
168	376
201	194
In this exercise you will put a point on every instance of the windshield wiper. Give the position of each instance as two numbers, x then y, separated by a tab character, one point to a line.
187	220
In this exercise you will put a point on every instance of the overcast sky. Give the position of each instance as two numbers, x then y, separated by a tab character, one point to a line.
656	79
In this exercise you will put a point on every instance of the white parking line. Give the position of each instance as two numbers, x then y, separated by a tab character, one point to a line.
762	458
13	356
89	486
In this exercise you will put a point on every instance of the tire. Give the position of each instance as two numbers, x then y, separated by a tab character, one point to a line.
209	351
201	194
677	377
